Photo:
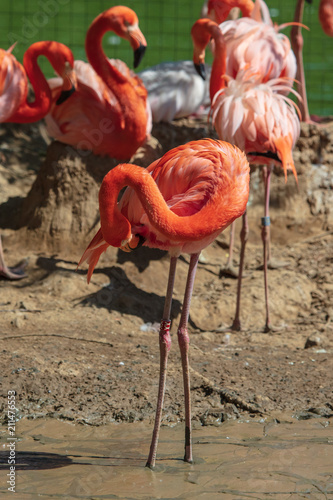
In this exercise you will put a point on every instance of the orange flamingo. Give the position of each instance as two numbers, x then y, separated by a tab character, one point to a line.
252	115
14	105
326	19
109	113
180	203
14	81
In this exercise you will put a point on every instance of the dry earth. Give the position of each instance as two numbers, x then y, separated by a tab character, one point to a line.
90	353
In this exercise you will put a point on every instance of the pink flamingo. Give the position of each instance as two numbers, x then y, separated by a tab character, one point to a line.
326	20
108	114
252	115
14	105
253	41
180	203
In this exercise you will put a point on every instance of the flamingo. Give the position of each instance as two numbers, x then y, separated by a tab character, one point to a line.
180	203
175	90
14	106
253	115
326	20
253	40
108	114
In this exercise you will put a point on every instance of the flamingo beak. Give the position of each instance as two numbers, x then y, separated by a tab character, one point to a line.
200	69
138	55
138	43
69	85
136	241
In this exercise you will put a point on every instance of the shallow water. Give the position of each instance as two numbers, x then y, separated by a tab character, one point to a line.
237	460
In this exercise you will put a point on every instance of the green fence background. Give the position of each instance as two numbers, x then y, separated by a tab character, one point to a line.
166	26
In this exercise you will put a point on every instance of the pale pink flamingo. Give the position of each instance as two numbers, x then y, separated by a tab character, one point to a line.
180	203
109	113
253	41
255	116
326	19
14	104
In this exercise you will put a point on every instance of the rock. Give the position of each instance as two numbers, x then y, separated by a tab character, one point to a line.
312	341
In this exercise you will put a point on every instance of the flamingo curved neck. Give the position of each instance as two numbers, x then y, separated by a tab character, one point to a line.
217	81
96	55
214	216
36	110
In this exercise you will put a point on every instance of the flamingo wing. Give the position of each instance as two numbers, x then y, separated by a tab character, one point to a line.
13	85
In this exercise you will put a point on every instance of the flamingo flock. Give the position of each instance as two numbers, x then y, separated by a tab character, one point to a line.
185	199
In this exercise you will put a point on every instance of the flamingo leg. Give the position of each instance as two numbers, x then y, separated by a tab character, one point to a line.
265	235
236	325
297	46
165	345
229	268
11	273
183	341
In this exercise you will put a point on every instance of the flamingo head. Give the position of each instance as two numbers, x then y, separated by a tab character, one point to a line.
124	22
200	37
63	64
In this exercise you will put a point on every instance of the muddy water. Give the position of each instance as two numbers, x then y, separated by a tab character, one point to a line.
260	459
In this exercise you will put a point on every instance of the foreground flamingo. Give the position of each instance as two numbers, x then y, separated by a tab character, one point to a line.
255	117
14	105
326	20
180	203
108	114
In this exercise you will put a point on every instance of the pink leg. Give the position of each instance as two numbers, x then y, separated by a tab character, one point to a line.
11	273
236	325
229	268
297	46
165	344
265	235
183	341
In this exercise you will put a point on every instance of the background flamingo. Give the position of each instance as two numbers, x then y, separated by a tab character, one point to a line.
175	90
14	104
109	113
180	203
252	115
326	19
253	41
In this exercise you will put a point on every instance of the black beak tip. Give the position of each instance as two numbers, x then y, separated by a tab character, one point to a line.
138	55
65	94
200	69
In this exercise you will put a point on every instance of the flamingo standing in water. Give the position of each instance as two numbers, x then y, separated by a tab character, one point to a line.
109	113
180	203
14	105
326	20
252	115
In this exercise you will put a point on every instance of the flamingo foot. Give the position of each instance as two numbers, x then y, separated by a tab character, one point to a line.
14	273
274	264
229	270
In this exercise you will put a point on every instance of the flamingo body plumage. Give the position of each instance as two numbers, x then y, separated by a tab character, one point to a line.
175	90
260	46
186	182
13	84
